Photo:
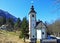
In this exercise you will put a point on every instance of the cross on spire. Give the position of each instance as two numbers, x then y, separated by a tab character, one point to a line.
32	10
32	2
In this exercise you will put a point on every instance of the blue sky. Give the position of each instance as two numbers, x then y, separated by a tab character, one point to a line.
47	10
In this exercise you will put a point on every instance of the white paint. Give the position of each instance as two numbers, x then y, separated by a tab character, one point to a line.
32	29
39	34
43	31
33	32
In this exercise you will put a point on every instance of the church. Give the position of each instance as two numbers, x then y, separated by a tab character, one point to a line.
37	30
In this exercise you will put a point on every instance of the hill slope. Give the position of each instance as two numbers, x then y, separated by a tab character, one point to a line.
7	15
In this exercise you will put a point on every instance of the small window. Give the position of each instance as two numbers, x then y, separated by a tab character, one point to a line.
33	35
32	15
42	32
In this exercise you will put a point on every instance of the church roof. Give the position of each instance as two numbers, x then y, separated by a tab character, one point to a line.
32	10
40	25
38	22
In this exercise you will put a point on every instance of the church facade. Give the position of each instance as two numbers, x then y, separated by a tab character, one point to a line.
37	30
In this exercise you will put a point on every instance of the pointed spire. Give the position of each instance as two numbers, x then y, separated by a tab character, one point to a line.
32	10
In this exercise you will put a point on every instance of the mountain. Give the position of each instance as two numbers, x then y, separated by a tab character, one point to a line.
7	15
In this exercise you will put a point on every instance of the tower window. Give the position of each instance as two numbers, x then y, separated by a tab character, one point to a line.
32	15
42	32
33	35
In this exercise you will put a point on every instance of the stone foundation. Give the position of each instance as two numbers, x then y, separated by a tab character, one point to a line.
49	41
33	40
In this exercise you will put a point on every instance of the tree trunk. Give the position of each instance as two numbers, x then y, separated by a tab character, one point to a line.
24	39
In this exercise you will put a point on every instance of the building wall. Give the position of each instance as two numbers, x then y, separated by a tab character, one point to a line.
32	29
39	34
43	32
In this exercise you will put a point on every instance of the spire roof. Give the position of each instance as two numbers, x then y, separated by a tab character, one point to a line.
32	10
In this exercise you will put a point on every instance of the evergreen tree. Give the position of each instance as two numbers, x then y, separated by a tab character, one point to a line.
10	23
2	20
17	24
24	28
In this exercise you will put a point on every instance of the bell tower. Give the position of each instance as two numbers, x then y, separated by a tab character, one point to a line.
32	25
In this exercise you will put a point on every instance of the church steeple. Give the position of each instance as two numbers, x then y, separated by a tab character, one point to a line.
32	10
32	24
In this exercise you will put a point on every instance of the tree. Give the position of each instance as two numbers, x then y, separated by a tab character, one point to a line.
17	24
24	28
2	20
54	28
10	23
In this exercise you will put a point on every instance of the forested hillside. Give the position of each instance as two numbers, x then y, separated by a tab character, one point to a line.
54	28
10	24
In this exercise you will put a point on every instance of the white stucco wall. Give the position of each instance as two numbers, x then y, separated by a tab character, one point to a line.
32	30
43	35
39	34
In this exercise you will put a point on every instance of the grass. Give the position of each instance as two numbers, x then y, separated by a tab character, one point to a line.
9	37
38	41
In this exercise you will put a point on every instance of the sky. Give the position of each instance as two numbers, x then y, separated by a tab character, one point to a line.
47	10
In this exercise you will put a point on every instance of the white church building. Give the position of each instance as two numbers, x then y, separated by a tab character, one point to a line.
37	30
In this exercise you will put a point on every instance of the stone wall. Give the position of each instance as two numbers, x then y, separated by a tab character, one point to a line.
49	41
